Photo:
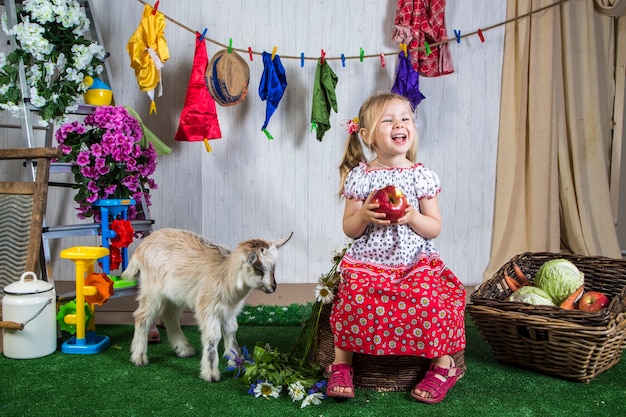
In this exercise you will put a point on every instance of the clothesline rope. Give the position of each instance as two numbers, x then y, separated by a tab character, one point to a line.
377	55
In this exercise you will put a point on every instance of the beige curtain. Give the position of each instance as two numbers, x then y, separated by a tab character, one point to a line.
554	145
611	7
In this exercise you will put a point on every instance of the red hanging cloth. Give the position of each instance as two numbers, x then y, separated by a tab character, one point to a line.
198	120
419	21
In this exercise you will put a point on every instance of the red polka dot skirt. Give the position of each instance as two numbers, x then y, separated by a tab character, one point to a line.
382	310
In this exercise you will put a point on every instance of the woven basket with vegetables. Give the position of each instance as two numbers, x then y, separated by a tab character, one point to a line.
536	313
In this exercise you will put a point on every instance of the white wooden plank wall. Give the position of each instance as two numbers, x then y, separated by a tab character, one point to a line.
252	187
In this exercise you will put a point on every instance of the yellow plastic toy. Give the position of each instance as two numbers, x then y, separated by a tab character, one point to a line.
85	341
98	93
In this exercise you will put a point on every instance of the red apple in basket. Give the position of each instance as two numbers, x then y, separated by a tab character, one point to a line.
391	201
593	301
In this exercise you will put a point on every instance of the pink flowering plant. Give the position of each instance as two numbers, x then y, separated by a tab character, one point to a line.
108	160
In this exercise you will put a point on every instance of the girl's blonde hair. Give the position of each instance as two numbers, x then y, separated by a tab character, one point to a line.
369	115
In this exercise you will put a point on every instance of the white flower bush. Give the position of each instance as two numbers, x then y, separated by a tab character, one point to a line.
56	57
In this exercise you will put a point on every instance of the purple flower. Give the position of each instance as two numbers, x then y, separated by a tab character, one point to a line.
93	187
66	129
131	182
251	389
131	165
83	159
90	172
110	190
96	150
238	361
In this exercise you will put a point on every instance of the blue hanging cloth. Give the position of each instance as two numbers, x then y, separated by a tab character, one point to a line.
272	86
407	81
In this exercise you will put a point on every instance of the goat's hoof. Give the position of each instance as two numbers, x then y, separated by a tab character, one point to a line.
185	353
210	378
139	361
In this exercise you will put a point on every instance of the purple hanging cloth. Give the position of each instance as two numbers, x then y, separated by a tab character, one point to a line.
407	81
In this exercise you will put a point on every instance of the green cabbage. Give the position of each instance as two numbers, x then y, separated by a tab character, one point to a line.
531	295
559	278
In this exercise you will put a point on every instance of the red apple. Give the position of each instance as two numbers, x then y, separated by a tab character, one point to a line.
593	301
391	201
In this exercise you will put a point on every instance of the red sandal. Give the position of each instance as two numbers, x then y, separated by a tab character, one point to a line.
340	376
435	386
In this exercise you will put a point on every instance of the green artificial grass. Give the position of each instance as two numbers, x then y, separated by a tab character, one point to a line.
107	384
291	315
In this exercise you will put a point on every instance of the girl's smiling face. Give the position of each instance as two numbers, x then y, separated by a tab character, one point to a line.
395	130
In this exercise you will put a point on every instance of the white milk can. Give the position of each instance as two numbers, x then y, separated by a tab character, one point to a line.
28	318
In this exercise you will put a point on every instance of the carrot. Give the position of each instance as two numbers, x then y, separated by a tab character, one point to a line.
513	285
570	302
520	275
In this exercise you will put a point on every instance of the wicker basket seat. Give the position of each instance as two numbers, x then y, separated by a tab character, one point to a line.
379	373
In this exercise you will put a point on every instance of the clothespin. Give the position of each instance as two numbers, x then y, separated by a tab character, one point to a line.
480	35
201	38
457	33
361	54
155	8
343	60
250	52
403	48
230	45
207	146
322	59
427	47
302	59
382	59
152	107
274	52
268	134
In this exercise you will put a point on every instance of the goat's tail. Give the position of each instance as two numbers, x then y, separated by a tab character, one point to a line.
132	270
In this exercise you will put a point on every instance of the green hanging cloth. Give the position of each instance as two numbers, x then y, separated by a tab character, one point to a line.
324	98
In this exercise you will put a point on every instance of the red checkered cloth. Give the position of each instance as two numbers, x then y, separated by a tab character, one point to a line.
419	21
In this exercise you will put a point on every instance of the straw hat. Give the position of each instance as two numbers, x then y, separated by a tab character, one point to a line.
227	78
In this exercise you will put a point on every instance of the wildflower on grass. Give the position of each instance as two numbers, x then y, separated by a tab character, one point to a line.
266	389
296	391
238	361
318	386
323	294
315	399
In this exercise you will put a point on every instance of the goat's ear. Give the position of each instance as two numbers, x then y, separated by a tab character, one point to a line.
281	242
252	258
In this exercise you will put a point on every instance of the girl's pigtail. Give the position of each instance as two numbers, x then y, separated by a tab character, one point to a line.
352	156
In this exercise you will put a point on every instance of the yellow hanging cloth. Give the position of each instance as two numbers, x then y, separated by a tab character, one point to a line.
148	52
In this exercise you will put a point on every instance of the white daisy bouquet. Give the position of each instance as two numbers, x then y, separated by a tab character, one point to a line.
269	370
56	57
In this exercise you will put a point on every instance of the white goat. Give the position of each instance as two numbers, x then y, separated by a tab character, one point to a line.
179	269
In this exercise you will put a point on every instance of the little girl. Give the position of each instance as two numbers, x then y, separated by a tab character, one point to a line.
396	296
